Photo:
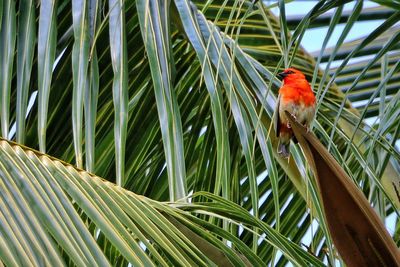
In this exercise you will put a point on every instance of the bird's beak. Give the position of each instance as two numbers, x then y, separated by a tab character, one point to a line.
281	75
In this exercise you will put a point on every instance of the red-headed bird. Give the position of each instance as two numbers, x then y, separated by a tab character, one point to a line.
298	99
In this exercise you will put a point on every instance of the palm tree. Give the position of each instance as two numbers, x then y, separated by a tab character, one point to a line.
140	131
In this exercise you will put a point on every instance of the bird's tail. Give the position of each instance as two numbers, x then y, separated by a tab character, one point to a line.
283	149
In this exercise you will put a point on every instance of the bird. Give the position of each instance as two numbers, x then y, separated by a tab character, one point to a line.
296	97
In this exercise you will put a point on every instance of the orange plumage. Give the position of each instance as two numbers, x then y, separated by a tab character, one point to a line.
298	99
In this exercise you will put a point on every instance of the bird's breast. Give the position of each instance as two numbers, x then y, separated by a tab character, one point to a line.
297	94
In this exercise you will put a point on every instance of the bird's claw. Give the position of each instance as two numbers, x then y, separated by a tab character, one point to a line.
307	128
288	123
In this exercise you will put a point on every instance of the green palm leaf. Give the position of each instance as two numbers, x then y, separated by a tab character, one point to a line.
172	98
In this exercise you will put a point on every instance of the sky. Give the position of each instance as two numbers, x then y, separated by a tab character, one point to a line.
313	38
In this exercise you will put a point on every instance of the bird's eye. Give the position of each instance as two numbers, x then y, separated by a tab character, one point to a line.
290	72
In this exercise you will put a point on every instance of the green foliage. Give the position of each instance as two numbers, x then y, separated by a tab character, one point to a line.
170	98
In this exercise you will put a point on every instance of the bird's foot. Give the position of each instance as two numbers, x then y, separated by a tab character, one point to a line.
283	150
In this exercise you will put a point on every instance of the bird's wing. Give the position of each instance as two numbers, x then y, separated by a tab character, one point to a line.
277	121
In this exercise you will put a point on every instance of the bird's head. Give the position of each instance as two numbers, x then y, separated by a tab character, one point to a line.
291	74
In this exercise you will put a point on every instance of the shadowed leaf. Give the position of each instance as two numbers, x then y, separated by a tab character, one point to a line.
357	232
